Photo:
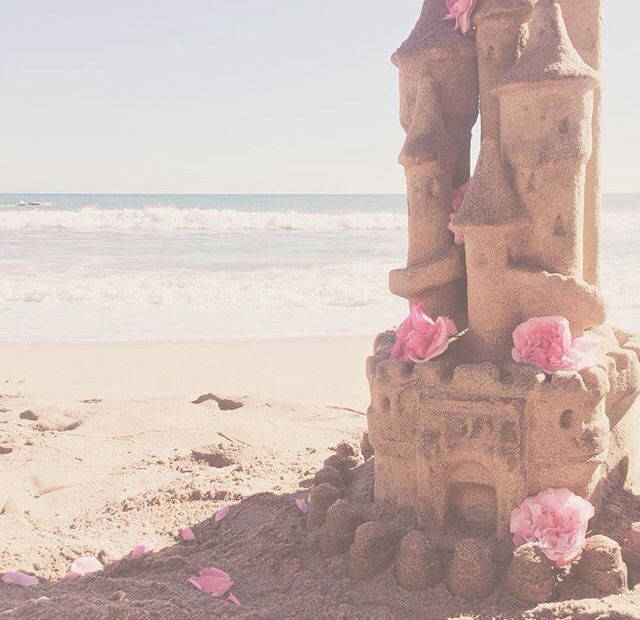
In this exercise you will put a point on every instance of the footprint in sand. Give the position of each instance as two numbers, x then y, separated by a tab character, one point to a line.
49	418
215	455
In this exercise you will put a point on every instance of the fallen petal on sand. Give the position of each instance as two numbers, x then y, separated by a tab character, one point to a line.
142	548
187	534
83	566
221	514
302	506
212	581
232	598
18	578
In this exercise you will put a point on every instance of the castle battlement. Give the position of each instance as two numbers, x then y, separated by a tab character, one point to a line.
469	441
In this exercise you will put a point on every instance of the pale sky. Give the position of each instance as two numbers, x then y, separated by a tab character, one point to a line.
233	96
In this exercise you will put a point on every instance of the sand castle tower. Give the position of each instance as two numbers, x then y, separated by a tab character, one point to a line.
438	108
465	437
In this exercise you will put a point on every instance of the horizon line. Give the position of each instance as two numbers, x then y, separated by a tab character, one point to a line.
85	193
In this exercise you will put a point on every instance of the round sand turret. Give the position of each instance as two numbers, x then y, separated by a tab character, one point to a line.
438	108
546	108
501	32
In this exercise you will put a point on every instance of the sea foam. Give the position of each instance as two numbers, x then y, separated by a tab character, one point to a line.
201	220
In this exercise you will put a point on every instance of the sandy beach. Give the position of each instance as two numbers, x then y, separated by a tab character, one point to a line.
101	447
113	450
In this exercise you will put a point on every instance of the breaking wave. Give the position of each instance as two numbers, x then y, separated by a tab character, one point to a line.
212	221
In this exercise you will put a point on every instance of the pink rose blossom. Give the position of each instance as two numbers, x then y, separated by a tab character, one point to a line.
460	10
456	203
420	338
556	520
546	342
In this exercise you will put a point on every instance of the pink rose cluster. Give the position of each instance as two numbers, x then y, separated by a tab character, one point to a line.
456	202
556	520
460	10
546	342
421	338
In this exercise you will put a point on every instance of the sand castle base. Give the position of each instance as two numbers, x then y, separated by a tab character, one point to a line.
458	446
468	442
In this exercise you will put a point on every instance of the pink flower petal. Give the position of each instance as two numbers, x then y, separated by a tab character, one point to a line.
460	10
212	581
584	352
71	576
84	566
301	505
18	578
221	514
187	534
142	548
232	598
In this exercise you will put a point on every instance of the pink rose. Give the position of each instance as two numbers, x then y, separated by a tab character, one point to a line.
546	342
420	338
456	203
460	10
556	520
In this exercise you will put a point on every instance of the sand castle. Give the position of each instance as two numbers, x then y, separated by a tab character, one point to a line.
469	435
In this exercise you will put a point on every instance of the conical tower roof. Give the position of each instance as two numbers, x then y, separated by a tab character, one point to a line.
494	8
428	139
549	54
489	201
432	31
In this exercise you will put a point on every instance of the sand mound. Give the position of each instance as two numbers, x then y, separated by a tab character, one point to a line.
279	571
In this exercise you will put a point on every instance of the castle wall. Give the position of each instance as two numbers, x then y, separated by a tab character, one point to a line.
568	433
392	425
469	459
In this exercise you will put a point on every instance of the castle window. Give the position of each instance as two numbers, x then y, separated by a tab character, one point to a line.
566	418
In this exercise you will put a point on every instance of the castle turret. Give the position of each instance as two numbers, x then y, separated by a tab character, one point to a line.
428	156
584	24
501	31
489	217
546	109
439	106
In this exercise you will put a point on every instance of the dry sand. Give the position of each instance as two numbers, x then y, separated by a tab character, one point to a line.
115	452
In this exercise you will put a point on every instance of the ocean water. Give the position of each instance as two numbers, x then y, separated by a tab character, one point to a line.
163	267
